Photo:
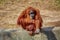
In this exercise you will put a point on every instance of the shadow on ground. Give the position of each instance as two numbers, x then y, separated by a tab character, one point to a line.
49	33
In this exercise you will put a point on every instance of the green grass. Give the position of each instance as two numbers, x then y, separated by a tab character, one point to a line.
58	4
1	1
58	1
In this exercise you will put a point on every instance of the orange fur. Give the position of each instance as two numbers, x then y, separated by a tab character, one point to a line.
24	19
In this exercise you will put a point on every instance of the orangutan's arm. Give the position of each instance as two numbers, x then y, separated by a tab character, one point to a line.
21	18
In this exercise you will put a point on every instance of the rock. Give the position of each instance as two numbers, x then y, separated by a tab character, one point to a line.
48	33
16	34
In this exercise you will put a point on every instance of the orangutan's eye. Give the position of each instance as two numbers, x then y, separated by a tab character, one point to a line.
32	15
31	12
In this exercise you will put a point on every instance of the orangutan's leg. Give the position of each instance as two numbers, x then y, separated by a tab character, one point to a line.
37	26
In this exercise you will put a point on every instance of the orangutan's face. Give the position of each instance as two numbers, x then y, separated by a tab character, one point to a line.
32	14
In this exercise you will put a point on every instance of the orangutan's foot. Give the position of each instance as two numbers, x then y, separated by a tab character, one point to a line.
37	31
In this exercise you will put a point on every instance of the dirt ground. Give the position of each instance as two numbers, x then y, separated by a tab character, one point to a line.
11	9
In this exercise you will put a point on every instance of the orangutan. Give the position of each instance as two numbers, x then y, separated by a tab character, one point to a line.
30	20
